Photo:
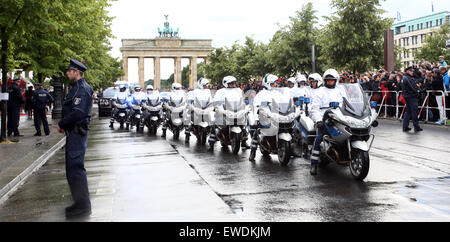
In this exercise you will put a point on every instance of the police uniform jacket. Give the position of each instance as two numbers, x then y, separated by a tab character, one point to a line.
409	87
15	96
77	106
41	98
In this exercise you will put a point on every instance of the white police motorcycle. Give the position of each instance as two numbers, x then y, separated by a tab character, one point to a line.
123	110
152	113
277	123
348	138
305	132
175	111
233	122
136	118
202	117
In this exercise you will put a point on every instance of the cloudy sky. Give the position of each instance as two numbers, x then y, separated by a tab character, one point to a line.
227	21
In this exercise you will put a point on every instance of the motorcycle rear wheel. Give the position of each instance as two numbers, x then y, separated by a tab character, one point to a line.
359	165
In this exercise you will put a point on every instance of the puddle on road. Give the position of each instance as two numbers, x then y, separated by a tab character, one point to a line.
432	192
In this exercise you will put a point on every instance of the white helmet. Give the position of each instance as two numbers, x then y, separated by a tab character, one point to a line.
292	80
331	74
300	78
176	85
202	82
227	80
316	77
122	86
268	80
149	87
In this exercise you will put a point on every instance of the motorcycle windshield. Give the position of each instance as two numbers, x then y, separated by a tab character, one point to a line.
202	102
355	102
283	106
234	104
153	101
176	101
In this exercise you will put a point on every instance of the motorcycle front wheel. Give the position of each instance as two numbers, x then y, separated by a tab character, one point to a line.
284	154
176	134
359	165
235	143
202	137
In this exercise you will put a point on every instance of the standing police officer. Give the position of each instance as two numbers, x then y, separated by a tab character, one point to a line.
411	93
41	98
14	103
76	116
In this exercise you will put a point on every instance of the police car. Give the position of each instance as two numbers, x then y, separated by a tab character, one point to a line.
105	101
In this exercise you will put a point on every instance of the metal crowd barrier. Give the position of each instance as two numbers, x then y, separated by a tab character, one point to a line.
424	106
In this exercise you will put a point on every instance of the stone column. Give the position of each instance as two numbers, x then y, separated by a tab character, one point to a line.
125	67
205	60
157	73
193	69
141	71
177	72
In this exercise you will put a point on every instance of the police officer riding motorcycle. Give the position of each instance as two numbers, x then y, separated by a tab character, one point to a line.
230	117
121	109
306	127
175	111
201	114
152	111
136	117
276	114
343	118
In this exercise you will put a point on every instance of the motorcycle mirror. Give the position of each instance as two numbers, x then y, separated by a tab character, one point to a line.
375	124
247	102
307	100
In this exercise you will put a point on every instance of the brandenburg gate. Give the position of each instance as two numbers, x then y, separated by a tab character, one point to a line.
167	45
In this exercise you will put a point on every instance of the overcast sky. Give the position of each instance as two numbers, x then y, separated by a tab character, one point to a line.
226	21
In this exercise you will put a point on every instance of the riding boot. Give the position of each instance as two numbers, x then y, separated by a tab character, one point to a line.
313	169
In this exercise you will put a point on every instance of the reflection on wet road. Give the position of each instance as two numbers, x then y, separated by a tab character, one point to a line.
134	177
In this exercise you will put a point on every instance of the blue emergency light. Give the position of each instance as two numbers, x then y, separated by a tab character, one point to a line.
334	104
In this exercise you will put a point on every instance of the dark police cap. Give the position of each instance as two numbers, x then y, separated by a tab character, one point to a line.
76	65
409	68
38	84
16	79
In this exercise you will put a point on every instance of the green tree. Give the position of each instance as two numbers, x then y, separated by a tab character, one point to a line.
353	38
221	64
291	45
435	45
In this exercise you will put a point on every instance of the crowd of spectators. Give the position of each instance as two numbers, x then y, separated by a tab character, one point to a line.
381	84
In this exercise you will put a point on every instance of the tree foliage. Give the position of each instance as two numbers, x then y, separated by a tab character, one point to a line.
435	45
46	34
353	38
291	46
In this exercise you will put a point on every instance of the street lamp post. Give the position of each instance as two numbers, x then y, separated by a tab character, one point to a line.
313	52
57	107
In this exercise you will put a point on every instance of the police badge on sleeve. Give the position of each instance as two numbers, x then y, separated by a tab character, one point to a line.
77	101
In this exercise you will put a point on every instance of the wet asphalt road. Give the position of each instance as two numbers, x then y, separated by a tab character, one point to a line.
133	177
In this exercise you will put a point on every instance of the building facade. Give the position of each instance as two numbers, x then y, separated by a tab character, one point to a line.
411	34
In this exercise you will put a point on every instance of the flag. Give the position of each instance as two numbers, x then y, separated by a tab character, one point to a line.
432	7
399	17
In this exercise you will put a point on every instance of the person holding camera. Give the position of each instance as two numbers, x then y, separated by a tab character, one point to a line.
411	92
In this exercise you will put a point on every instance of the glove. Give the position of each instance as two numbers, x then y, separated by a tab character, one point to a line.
319	125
